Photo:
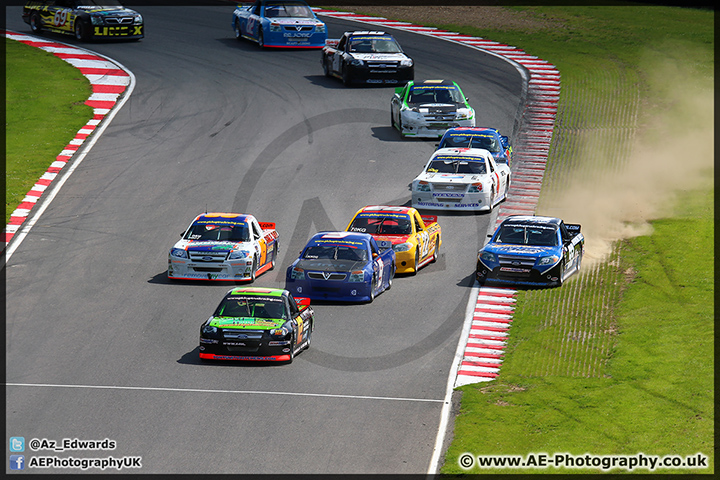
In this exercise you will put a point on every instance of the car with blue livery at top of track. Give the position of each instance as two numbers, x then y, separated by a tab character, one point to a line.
342	266
254	323
224	247
461	179
479	137
279	23
428	108
85	19
367	57
531	250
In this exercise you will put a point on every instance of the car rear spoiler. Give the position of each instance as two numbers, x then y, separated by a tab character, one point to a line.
428	219
267	225
302	301
573	228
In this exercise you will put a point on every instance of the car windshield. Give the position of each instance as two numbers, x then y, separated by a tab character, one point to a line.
456	166
218	232
383	225
487	142
435	94
527	235
251	307
99	3
287	9
374	45
335	252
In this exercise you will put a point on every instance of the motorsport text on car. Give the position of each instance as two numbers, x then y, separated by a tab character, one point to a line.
461	179
224	246
415	238
531	250
253	323
367	57
342	266
279	23
86	19
479	137
426	109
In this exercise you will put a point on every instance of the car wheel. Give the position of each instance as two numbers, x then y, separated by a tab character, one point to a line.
347	81
253	273
274	257
390	276
238	34
436	252
292	349
261	40
417	262
326	67
35	24
80	31
309	337
561	274
492	199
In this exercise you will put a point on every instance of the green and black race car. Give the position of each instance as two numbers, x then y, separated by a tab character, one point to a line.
86	19
254	323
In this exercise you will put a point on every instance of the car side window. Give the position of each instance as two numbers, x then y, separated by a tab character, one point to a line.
256	229
418	225
492	165
256	8
341	45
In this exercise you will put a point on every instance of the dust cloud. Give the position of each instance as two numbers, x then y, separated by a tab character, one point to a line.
672	151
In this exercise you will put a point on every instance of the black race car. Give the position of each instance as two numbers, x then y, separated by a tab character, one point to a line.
86	19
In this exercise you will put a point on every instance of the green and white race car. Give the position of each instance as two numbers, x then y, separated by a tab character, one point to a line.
253	323
428	108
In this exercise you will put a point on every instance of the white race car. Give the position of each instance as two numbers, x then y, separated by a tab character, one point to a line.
461	179
224	246
428	108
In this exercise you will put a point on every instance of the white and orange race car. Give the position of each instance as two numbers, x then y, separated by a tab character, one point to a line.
415	238
224	246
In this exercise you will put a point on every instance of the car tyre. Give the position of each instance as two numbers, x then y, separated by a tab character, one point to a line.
436	252
261	39
326	67
391	275
347	81
36	24
253	273
80	31
274	257
236	27
417	262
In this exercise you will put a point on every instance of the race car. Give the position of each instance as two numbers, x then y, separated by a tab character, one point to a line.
279	23
224	246
415	238
86	19
479	137
257	324
461	179
531	250
428	108
342	266
367	57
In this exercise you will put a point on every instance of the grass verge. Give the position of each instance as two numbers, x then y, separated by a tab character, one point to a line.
44	109
620	359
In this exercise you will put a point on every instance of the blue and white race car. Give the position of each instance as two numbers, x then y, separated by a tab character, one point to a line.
279	23
478	137
531	250
342	266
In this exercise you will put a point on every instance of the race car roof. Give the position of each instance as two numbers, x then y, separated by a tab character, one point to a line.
257	291
221	218
386	209
352	239
464	154
531	220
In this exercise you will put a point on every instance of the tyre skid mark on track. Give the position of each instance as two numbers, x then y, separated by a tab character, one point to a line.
108	82
529	160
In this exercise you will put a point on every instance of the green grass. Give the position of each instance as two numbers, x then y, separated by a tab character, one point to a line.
44	108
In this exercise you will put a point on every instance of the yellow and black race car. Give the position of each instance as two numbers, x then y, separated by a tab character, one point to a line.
86	19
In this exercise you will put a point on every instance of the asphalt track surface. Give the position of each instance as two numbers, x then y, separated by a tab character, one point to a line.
101	345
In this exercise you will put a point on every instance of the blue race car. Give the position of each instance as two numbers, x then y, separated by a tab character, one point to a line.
342	266
479	137
279	23
530	250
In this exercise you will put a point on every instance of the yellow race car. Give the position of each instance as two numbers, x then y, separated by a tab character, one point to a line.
415	238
